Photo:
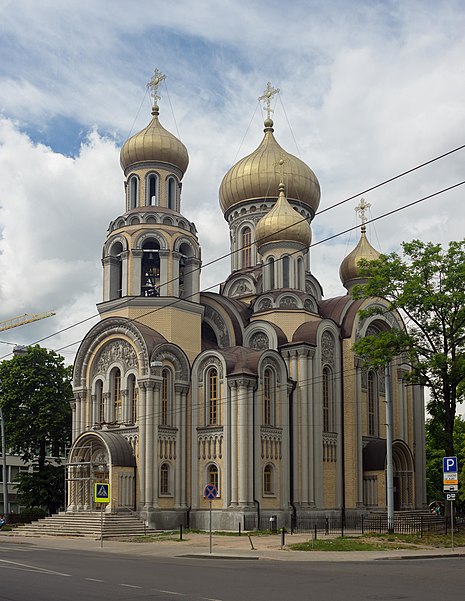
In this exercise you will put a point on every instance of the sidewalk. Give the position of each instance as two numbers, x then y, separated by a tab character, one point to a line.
197	547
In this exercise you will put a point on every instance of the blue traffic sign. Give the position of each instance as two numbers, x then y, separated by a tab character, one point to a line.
210	492
449	464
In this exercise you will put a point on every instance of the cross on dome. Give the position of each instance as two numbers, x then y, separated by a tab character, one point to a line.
267	96
153	84
361	210
280	165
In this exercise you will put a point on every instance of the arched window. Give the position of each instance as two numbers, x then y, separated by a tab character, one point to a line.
150	284
246	247
328	425
100	415
166	395
165	479
116	271
171	193
286	281
151	186
268	480
133	398
212	405
133	192
269	392
116	394
300	273
213	476
271	273
372	398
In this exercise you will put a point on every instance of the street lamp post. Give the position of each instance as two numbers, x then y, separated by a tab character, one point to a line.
5	468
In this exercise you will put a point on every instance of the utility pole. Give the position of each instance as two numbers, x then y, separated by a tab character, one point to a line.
5	467
389	466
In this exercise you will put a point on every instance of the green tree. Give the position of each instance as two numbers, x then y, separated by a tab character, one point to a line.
427	287
35	394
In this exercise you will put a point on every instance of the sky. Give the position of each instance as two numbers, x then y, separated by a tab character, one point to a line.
368	90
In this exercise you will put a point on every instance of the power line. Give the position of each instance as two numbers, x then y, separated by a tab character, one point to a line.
213	261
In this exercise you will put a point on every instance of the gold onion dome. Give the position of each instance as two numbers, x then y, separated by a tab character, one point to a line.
282	224
154	143
349	271
254	176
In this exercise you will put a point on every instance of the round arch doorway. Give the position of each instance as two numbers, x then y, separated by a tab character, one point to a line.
101	457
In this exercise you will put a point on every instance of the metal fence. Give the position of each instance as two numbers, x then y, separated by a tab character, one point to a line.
361	524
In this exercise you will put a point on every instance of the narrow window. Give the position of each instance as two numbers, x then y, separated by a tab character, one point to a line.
133	400
286	283
213	476
212	399
165	479
268	485
171	193
152	190
327	400
246	240
271	272
165	398
299	270
99	401
117	399
372	386
268	397
133	192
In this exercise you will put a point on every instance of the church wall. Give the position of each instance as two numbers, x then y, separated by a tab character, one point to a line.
330	485
287	321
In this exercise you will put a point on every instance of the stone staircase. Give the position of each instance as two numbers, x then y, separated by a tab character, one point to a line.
85	525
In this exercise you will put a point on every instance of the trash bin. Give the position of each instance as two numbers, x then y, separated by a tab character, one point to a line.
274	523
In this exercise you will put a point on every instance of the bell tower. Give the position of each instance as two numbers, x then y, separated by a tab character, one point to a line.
151	257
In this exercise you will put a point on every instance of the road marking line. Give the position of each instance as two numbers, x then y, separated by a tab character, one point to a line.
130	585
171	593
94	579
36	568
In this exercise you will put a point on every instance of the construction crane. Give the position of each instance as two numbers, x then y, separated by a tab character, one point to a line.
21	320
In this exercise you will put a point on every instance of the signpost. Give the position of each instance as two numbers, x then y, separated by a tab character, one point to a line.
101	495
451	486
210	493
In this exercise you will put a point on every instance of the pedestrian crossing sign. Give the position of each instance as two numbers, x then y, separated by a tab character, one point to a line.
101	492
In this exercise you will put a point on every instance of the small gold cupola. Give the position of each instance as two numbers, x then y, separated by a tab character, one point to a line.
282	224
349	271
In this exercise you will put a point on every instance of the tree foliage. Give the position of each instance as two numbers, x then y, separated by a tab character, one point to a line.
45	488
427	287
35	394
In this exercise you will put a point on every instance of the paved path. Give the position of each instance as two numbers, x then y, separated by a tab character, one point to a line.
232	547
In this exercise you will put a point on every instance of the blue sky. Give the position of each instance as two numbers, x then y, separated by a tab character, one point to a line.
368	89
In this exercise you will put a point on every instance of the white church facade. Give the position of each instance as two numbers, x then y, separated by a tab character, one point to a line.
255	388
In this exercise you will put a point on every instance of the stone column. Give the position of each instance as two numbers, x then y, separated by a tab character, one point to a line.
150	444
180	442
302	392
125	410
358	434
124	272
233	450
182	450
72	404
245	448
164	277
107	407
142	442
136	270
174	284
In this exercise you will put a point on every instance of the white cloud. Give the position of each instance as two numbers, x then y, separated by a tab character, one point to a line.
369	89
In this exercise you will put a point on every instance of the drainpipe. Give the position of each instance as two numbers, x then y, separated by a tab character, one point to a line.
343	478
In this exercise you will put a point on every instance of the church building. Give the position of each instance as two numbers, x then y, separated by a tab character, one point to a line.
254	389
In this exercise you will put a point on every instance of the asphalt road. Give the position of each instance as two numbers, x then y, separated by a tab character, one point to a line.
34	573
